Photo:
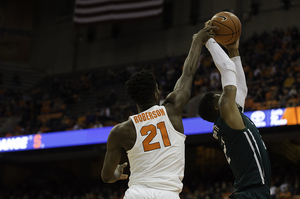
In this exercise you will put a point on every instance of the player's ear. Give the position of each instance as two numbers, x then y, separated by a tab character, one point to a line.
217	107
156	95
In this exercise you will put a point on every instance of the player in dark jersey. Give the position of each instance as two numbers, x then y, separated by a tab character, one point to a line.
239	138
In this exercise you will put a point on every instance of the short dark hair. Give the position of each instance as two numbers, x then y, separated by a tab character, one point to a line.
206	107
141	86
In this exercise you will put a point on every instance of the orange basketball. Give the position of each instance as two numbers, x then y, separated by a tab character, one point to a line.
230	27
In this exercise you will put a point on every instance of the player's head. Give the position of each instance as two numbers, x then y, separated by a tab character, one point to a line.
208	107
142	88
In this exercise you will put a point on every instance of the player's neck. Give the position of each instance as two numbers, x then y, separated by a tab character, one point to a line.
142	108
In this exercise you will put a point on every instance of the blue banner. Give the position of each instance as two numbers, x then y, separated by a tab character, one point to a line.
192	126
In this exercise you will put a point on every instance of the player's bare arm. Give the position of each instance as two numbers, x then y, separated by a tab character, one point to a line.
182	90
228	108
112	171
176	100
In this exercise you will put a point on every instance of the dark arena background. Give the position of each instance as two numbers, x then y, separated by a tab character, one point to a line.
63	65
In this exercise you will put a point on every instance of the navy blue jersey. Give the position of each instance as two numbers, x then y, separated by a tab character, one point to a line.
245	152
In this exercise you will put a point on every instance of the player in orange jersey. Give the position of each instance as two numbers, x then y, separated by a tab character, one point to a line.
154	138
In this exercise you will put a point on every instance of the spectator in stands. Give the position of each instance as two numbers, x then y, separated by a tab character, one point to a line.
277	53
259	95
284	192
215	75
283	98
105	112
90	118
273	190
289	81
98	124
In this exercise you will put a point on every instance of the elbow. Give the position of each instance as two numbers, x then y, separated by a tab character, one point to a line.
106	180
104	177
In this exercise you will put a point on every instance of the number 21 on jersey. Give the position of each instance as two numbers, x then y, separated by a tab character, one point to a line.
151	131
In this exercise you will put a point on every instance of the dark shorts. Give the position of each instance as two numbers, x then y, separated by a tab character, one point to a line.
261	192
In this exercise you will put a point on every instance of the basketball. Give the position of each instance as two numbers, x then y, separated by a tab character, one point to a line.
230	27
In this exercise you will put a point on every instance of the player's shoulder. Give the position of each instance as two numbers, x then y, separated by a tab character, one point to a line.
122	128
123	125
122	134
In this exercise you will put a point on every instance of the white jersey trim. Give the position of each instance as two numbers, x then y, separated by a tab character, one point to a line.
256	159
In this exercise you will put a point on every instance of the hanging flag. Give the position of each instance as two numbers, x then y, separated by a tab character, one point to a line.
100	11
16	25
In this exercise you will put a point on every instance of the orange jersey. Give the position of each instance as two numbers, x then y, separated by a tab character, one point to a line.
157	157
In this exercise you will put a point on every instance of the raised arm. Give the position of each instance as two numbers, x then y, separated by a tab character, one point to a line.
227	102
234	56
182	90
233	51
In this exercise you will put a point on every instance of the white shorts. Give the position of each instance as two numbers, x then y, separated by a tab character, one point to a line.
136	192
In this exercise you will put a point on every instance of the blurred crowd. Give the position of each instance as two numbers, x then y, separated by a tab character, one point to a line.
271	62
285	185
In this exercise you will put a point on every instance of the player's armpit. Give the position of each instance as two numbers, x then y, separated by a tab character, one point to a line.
178	99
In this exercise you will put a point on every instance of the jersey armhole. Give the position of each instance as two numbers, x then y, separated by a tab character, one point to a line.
171	125
136	131
239	130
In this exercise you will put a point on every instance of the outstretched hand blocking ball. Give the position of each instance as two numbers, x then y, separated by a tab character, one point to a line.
230	27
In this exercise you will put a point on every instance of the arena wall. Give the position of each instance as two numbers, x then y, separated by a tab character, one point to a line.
58	46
